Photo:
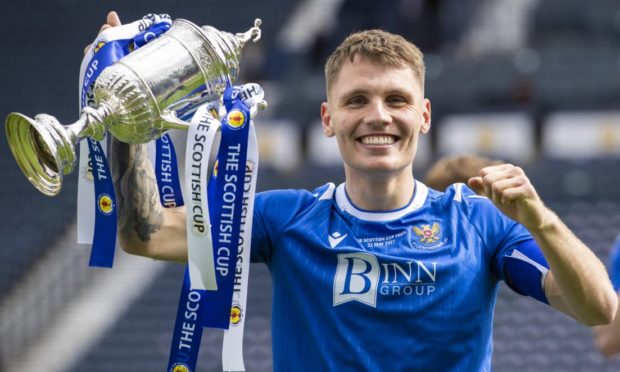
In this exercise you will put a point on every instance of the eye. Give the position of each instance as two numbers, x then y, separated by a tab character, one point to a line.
397	100
356	101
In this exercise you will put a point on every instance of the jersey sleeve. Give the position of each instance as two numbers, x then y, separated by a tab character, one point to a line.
273	211
261	244
524	269
614	264
515	257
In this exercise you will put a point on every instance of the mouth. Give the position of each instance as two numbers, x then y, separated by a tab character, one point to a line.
378	139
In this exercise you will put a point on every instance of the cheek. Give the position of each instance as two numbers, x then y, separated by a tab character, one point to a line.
343	140
341	129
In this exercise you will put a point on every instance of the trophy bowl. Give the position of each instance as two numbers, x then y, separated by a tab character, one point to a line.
137	99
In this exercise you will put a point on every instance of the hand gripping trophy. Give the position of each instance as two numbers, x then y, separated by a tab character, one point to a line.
137	99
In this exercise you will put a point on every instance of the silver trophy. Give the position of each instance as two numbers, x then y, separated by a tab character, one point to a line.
137	99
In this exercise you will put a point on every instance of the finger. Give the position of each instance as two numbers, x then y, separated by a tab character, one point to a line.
495	183
515	194
475	183
104	27
498	175
113	19
495	168
505	187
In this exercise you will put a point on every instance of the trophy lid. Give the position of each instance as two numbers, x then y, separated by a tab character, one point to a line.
218	53
230	45
226	48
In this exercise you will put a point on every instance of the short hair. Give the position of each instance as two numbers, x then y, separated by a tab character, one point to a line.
382	46
455	169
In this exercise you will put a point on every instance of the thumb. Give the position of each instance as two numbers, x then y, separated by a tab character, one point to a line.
113	19
475	183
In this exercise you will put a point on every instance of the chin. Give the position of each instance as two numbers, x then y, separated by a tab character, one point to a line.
381	168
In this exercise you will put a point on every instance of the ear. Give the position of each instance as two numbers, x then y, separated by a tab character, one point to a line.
426	116
326	120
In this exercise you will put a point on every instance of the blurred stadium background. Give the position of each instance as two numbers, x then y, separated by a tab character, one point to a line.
535	82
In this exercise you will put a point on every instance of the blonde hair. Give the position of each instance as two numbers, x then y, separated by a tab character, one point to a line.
454	169
382	46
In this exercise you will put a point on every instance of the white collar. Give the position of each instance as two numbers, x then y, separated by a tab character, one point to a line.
345	205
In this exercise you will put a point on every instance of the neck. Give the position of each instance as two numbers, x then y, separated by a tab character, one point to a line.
376	193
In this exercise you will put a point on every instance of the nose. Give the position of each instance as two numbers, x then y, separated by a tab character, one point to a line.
378	113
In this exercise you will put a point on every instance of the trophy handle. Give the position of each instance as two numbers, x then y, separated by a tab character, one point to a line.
172	121
254	33
170	114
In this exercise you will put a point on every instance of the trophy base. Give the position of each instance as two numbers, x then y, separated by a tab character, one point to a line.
34	146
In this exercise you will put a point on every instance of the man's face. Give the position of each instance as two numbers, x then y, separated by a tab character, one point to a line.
376	113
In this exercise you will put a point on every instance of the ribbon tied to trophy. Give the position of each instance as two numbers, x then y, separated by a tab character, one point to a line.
138	81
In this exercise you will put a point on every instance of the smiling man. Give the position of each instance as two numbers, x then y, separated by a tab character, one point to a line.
376	110
382	273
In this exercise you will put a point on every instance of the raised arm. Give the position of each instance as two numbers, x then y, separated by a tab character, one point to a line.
577	283
145	227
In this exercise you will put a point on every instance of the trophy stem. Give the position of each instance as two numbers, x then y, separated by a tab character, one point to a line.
90	123
45	150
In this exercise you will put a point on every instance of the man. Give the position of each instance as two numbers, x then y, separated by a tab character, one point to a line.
381	272
607	337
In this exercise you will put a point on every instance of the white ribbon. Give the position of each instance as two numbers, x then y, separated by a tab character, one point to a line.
232	352
200	138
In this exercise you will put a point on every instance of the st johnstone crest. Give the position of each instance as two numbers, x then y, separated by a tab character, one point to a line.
428	234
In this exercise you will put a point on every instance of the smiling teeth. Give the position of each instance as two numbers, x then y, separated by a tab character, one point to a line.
378	140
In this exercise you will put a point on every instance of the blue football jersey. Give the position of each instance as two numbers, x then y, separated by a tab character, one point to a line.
411	289
614	264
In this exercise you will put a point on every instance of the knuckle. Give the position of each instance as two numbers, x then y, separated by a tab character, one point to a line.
497	189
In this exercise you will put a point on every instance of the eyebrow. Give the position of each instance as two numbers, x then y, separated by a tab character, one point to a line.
355	92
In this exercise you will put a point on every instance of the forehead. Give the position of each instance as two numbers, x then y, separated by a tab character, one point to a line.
368	74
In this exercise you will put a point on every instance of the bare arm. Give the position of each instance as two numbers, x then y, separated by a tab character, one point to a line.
578	284
145	227
607	337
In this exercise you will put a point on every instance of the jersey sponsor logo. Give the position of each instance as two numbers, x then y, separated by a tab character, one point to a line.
335	238
361	277
357	279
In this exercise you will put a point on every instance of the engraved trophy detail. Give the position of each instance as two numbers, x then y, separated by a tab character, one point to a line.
137	99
